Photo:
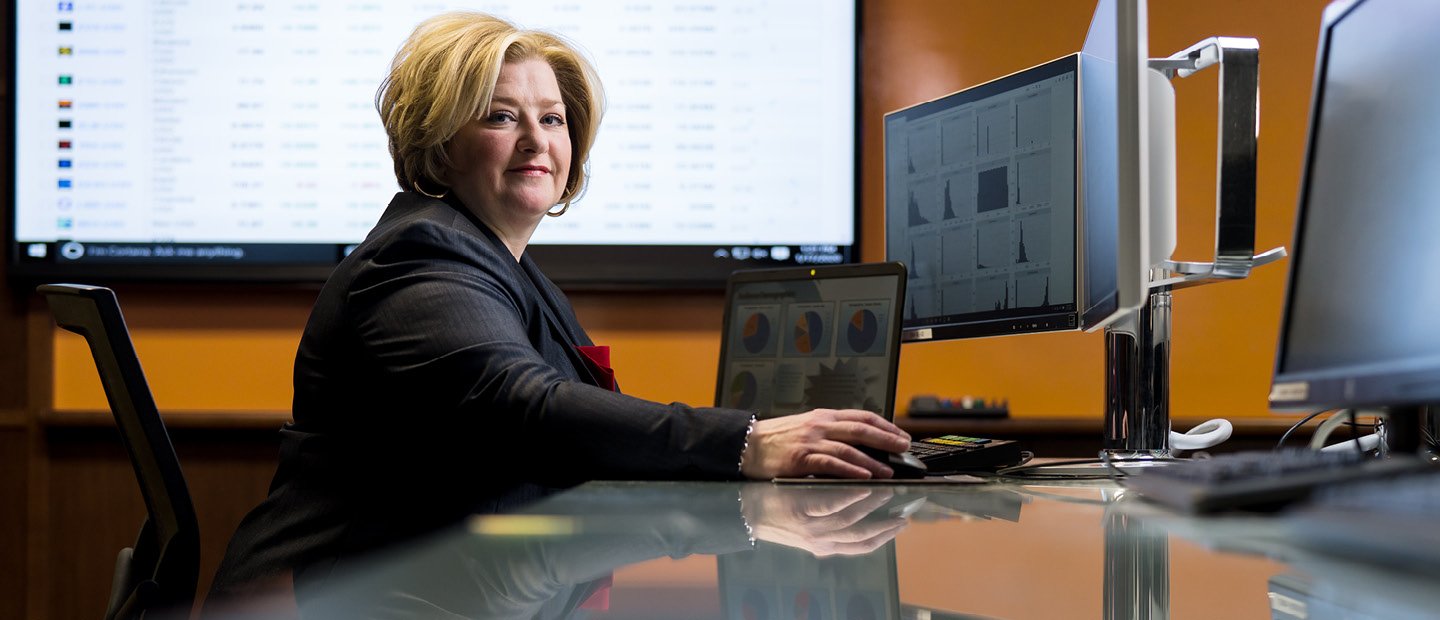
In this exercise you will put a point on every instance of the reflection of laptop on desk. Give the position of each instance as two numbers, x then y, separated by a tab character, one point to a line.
778	582
803	338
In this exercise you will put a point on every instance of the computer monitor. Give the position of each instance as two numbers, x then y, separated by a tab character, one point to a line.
1020	205
1359	328
981	194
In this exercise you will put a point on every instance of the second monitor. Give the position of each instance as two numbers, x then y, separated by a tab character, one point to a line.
981	194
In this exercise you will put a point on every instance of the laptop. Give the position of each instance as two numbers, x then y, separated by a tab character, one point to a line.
803	338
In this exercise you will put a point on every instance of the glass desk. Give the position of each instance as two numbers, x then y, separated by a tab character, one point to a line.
756	551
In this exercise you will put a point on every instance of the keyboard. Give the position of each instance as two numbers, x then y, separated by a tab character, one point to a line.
1261	480
1388	521
954	453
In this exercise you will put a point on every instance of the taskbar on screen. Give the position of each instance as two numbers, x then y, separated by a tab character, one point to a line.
570	266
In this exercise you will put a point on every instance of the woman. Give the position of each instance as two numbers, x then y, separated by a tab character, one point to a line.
437	352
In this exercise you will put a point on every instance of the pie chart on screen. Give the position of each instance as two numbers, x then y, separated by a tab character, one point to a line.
862	330
743	390
809	330
756	333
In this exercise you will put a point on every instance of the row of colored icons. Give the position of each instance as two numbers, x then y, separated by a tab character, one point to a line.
64	163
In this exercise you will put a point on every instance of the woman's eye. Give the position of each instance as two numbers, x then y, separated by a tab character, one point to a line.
554	119
500	117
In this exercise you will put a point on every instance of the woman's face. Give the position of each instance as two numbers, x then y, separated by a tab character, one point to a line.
511	163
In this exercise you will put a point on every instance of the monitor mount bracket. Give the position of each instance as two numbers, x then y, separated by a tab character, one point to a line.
1137	346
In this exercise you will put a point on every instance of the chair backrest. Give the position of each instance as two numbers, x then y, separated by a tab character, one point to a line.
163	569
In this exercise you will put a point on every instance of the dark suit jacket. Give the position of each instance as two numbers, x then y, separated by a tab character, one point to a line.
439	377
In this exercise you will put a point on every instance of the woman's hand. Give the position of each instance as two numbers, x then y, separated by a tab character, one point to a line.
831	521
821	442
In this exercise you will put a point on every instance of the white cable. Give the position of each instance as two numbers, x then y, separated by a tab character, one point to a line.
1322	432
1207	434
1367	443
1336	420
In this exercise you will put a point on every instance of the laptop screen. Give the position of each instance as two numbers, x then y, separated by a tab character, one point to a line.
811	337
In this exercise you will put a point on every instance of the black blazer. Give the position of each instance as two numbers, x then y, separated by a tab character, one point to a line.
438	377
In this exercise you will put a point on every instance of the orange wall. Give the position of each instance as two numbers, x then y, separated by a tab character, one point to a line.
232	350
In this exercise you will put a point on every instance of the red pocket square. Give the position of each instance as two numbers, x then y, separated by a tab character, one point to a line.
599	358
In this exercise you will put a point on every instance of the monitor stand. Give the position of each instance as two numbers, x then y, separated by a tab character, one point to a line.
1137	383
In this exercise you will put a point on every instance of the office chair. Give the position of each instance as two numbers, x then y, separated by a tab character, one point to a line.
160	572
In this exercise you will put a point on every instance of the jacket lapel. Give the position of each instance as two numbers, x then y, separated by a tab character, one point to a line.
534	285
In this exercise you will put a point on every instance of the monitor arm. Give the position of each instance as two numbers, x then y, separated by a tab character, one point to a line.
1239	127
1137	346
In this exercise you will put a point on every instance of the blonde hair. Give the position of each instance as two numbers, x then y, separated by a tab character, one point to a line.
444	77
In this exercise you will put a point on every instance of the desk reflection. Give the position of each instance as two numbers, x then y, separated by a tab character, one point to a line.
881	551
824	551
1317	583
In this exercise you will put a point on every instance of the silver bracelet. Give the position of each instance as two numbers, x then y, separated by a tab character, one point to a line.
740	466
749	531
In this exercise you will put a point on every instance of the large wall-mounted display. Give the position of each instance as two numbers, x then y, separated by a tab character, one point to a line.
200	141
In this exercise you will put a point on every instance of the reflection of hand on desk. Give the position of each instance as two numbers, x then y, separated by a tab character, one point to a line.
840	520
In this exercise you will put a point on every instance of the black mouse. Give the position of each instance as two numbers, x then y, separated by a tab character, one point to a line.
906	465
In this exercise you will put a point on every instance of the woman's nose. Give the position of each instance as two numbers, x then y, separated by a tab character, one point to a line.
530	138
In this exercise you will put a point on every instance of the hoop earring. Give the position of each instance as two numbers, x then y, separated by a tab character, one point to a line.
441	196
563	209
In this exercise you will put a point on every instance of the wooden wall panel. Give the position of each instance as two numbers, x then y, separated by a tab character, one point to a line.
228	473
15	439
96	508
14	456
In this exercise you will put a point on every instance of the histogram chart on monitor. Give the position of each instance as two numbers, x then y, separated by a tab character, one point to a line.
981	205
